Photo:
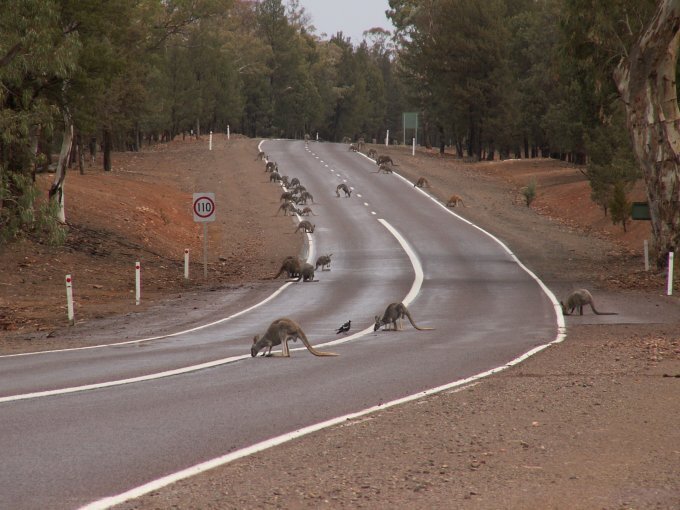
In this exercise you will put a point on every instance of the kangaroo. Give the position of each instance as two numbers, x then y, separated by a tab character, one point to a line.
384	159
422	182
286	207
394	312
294	182
343	187
578	299
284	181
274	177
271	166
384	168
324	261
260	156
352	148
291	265
372	153
306	227
306	273
279	332
287	195
306	212
454	200
306	196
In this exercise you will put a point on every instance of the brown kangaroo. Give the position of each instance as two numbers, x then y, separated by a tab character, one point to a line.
324	261
291	265
394	312
306	227
454	200
578	299
278	333
383	158
343	187
422	182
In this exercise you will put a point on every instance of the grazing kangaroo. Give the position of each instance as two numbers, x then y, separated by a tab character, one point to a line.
286	207
384	168
394	312
324	261
352	148
291	265
261	156
383	158
294	182
454	200
306	273
287	195
578	299
279	332
305	197
422	182
274	177
306	212
372	153
306	227
271	166
343	187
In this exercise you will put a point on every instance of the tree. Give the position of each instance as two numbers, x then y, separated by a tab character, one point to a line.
646	80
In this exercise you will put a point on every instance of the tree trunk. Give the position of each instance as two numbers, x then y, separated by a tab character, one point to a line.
57	187
646	82
108	147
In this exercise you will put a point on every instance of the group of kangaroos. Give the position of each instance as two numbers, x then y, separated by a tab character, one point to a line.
284	329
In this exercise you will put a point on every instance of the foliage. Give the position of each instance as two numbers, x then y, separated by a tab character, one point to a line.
619	205
529	192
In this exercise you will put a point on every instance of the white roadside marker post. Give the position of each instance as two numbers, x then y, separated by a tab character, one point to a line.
669	285
186	263
69	300
138	282
387	138
228	133
413	152
210	142
646	247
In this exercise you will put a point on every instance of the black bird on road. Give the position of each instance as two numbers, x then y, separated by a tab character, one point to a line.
344	328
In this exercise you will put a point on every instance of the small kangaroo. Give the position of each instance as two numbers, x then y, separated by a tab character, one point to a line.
383	158
578	299
384	169
343	187
352	148
279	332
271	166
394	312
306	212
305	197
454	200
274	176
422	182
260	156
294	182
324	261
291	265
306	227
286	207
306	273
372	153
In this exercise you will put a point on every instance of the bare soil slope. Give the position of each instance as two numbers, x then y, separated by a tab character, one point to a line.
588	423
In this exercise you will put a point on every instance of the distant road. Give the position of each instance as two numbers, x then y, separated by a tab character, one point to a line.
66	450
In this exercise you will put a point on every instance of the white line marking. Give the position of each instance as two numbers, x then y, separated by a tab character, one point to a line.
366	204
374	213
359	195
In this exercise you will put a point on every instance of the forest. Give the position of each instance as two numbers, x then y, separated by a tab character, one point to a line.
493	79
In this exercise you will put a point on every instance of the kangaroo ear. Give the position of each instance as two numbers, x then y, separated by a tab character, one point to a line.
256	338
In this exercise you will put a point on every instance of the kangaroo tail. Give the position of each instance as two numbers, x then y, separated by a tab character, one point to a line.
311	349
602	313
414	324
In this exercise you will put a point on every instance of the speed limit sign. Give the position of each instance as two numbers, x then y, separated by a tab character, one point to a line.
204	207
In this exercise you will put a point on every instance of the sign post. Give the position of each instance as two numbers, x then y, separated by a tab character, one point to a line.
69	300
204	211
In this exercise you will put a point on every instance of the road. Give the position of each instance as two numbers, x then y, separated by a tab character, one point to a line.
390	242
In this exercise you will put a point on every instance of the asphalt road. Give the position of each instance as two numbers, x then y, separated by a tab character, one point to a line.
65	450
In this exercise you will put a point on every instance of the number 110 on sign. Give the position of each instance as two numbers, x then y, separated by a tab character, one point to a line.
204	207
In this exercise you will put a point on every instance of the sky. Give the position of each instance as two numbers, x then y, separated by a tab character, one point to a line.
353	17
